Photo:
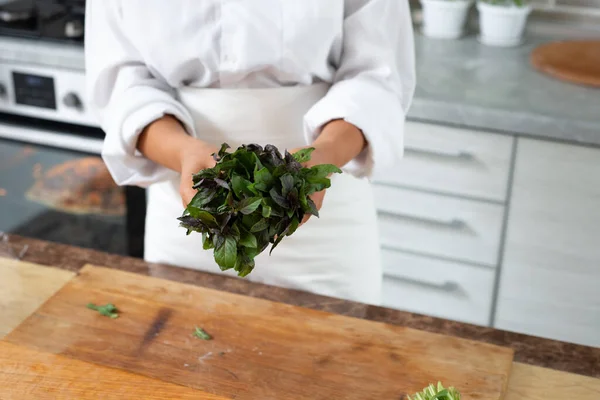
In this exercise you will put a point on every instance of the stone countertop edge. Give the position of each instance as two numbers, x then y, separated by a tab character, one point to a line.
463	83
537	351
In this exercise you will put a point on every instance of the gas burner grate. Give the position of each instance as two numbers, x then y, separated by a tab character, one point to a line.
51	20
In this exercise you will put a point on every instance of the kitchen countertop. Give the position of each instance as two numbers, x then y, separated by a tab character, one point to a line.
462	82
529	350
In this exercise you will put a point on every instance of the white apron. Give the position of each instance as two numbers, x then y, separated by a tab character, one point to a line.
335	255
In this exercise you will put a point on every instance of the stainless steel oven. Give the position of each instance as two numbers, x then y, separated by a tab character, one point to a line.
53	184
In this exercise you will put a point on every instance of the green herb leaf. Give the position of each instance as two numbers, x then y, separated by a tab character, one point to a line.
240	186
433	392
279	199
249	205
108	310
247	239
261	225
287	184
263	179
201	334
204	216
266	211
303	155
226	253
253	197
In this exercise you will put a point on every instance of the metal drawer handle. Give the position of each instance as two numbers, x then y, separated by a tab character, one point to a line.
459	155
447	286
452	224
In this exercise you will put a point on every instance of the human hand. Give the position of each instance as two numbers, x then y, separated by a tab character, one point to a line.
194	157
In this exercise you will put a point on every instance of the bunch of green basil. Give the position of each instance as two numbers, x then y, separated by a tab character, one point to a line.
253	197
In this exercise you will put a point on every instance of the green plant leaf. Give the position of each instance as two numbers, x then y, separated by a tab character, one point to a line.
108	310
287	184
226	254
261	225
204	216
252	198
247	239
312	207
278	198
249	205
263	179
303	155
266	211
201	334
240	186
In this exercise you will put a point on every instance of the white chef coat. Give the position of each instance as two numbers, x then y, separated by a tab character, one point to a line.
138	52
264	71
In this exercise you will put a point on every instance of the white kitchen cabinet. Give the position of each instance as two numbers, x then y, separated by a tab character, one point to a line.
441	226
550	275
453	161
438	288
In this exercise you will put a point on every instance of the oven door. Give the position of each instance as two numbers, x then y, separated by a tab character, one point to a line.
55	187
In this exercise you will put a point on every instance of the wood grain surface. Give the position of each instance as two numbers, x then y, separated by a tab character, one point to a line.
26	374
260	349
573	61
528	382
23	288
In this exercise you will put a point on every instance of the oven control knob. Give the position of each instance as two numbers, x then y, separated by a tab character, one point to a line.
72	100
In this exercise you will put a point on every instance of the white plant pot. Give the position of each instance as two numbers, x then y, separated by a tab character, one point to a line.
501	25
444	19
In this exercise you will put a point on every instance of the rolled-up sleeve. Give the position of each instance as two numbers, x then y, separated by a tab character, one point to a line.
124	95
374	83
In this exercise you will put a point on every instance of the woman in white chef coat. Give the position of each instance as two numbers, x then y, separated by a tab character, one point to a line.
172	80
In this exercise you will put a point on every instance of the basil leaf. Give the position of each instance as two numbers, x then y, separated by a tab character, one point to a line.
303	155
312	207
226	254
323	171
287	184
207	218
278	198
251	198
263	179
240	186
266	211
222	183
261	225
207	243
249	205
247	239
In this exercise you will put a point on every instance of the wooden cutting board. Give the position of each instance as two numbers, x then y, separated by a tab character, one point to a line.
528	382
573	61
260	349
27	374
23	288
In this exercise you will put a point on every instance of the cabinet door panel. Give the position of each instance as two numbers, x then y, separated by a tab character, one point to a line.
551	269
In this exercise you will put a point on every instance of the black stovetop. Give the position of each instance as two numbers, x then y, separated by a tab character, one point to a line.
54	20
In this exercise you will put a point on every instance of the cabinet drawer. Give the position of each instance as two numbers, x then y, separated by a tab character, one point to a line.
438	288
453	161
459	229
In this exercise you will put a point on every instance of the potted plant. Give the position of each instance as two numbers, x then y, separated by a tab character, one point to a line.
444	19
502	22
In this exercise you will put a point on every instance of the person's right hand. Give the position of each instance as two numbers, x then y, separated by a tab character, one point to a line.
194	157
